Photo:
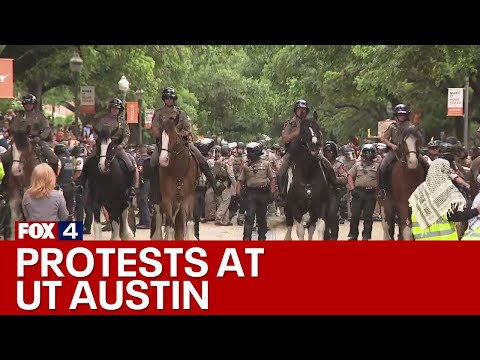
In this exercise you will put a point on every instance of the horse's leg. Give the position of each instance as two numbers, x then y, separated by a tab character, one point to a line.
386	219
169	220
405	223
157	234
16	215
321	225
312	225
126	232
300	228
114	217
289	220
97	222
180	224
190	202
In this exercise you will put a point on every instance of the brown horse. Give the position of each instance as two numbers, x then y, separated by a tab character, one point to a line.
178	174
405	176
25	157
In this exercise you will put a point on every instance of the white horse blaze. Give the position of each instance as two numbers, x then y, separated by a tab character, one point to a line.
314	138
412	161
103	153
17	166
164	154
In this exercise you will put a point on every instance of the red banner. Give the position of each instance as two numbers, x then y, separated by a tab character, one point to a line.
61	277
132	112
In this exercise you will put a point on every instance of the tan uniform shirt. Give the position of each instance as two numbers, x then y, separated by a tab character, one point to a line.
364	175
118	126
169	113
33	120
256	174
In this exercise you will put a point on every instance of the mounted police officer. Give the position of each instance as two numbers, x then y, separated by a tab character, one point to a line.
259	179
223	171
330	150
65	177
392	138
120	134
170	110
290	132
32	120
362	180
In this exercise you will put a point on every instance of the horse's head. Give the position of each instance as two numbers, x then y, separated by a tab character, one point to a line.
170	139
104	140
21	152
412	141
310	136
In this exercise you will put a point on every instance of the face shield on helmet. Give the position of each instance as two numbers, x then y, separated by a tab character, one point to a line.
254	150
369	152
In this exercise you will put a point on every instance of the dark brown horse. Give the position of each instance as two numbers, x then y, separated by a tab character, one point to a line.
178	175
25	156
404	177
308	193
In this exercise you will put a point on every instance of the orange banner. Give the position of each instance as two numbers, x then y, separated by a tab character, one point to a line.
132	112
6	79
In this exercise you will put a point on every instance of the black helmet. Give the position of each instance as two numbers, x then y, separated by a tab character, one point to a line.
453	140
401	109
151	148
369	151
254	150
331	147
169	93
29	99
225	150
116	103
60	149
276	147
446	148
241	145
78	151
434	144
301	104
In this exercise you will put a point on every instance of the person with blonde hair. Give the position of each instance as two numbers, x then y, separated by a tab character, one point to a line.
41	201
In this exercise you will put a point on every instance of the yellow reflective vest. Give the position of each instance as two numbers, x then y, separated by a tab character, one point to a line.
441	230
472	234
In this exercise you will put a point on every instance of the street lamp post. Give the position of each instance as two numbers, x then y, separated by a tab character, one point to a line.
76	64
139	94
123	86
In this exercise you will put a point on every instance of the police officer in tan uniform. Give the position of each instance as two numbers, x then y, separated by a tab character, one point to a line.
120	134
204	145
290	132
170	110
362	181
225	176
237	204
32	120
260	183
330	150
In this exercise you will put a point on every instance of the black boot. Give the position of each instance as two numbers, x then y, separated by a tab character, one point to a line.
211	179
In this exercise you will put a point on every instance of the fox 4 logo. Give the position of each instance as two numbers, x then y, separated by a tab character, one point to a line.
61	230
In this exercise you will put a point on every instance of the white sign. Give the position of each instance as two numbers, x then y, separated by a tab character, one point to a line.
455	102
148	117
87	95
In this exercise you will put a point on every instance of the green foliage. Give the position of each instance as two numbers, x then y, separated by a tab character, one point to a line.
242	91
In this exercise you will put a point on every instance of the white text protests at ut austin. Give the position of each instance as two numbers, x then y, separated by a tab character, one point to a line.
138	277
